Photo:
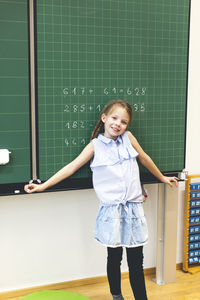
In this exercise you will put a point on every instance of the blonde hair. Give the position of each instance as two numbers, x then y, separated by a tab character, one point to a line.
108	109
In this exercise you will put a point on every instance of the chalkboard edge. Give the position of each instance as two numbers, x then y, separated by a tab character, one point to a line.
11	189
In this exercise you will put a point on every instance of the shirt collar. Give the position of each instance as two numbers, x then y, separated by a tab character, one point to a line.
106	140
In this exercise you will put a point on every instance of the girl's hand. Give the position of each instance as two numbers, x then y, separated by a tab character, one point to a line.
32	187
169	180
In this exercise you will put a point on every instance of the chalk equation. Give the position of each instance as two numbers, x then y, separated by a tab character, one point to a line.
107	91
88	108
74	142
79	124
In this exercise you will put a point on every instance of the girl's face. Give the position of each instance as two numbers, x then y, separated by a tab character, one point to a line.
115	123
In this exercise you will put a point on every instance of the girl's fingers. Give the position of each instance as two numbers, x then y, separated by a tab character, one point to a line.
29	188
170	180
174	179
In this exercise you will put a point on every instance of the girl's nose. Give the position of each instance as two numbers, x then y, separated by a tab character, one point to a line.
117	122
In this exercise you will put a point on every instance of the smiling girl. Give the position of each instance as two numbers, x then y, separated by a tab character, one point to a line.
120	221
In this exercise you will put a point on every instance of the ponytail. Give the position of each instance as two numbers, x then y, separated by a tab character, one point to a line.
98	127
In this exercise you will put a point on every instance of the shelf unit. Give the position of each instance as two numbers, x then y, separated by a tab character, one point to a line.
191	248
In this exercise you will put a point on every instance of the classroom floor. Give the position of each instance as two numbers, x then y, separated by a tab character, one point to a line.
187	287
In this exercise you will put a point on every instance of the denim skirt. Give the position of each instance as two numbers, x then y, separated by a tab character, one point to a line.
121	225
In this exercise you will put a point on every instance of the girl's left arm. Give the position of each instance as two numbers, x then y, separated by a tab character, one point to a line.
148	163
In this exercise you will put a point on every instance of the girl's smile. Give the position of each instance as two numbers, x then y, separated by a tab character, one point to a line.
115	123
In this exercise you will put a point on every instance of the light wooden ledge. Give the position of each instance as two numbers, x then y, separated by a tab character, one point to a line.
70	284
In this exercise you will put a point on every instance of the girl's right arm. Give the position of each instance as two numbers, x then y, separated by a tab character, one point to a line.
65	172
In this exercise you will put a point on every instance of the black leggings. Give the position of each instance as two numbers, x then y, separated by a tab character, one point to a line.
136	274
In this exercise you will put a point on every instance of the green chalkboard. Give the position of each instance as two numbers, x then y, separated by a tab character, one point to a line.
14	91
92	51
89	52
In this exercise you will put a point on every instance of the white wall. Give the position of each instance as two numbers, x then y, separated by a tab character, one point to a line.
46	238
193	113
